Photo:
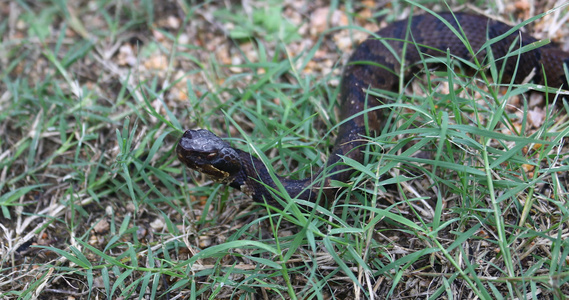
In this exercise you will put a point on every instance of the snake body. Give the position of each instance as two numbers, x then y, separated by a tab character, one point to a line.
376	63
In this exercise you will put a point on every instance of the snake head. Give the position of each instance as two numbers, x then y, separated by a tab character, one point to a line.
206	153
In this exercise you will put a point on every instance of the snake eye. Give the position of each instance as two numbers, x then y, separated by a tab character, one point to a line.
211	155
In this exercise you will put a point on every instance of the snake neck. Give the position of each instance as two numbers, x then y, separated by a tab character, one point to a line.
255	180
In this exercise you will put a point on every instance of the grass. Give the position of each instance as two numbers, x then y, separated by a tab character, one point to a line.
459	196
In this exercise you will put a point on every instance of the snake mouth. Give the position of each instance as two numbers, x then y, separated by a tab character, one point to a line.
195	161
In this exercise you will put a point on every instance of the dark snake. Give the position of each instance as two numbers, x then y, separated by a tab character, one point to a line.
373	65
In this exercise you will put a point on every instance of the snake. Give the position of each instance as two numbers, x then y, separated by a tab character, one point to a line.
379	62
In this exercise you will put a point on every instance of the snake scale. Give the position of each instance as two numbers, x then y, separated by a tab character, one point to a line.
373	64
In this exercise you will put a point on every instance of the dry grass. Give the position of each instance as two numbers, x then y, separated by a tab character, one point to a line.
94	94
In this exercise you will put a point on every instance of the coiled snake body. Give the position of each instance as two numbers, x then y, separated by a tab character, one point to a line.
374	65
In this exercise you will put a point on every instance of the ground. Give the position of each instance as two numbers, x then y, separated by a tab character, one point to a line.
95	94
